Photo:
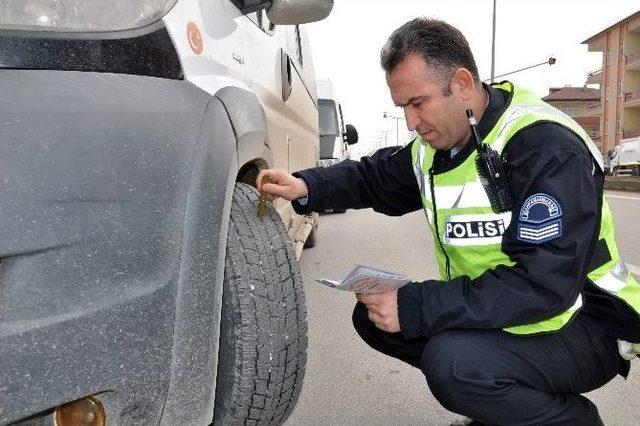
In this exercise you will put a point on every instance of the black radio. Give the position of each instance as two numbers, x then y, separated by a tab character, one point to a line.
491	169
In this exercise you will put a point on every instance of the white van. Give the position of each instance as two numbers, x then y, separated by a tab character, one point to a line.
138	284
624	159
335	136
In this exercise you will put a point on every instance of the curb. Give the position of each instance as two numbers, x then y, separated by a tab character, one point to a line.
622	183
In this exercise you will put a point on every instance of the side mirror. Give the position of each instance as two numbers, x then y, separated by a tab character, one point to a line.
350	136
293	12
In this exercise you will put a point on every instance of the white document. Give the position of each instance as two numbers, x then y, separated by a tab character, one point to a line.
364	279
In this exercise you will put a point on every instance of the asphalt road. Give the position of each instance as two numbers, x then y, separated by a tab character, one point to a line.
347	383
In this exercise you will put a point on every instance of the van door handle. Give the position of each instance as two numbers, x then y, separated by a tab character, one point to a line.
285	70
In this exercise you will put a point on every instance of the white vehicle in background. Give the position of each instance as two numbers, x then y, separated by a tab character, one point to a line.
624	159
138	284
335	136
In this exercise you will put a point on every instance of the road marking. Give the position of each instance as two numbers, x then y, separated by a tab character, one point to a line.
621	196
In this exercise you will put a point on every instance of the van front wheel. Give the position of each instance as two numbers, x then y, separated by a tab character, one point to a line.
263	330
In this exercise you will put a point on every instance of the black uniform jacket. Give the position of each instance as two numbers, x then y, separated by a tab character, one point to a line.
545	158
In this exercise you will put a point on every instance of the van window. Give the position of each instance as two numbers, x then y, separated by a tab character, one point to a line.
328	118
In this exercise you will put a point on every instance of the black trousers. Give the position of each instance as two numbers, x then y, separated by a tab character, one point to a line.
498	378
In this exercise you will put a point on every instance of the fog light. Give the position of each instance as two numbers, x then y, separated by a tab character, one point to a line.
83	412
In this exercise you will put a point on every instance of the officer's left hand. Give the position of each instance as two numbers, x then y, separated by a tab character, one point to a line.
383	309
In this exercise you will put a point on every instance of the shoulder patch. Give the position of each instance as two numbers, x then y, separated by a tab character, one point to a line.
540	219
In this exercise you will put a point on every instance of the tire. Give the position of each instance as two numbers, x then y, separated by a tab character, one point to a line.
263	336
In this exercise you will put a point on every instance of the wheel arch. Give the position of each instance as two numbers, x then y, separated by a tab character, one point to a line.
232	147
250	127
191	393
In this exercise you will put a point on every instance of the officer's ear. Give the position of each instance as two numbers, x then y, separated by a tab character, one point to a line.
463	84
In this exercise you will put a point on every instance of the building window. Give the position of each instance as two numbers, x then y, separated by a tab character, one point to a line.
571	111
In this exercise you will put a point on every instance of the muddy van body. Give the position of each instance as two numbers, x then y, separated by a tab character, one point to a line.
138	285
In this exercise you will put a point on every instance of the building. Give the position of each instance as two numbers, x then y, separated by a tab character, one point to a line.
576	102
619	80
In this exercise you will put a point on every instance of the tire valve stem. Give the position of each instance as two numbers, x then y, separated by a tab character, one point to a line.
262	204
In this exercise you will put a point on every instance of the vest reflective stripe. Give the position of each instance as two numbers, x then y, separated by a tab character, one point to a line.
470	194
525	109
471	233
614	280
614	277
463	209
551	324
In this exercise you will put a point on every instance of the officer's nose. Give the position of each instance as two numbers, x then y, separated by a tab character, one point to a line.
412	118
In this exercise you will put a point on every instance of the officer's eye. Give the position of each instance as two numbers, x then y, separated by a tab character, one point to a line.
417	103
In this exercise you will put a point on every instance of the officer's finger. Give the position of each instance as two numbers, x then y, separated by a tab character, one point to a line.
261	174
368	299
380	322
277	176
375	309
278	190
375	318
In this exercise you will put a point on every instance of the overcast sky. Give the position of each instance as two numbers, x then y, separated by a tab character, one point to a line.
346	46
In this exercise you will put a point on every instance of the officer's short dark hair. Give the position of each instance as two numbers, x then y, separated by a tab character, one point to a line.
442	46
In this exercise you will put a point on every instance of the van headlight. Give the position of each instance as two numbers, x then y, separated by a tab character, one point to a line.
81	15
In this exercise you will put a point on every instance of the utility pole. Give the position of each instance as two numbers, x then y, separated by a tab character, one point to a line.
397	143
493	44
397	118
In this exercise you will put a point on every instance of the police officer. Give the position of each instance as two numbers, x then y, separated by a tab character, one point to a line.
531	304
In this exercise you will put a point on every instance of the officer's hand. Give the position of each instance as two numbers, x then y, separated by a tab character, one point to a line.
383	309
282	184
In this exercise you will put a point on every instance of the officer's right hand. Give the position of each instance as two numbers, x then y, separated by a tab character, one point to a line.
282	184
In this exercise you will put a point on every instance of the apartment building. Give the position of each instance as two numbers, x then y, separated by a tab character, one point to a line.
619	80
576	102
